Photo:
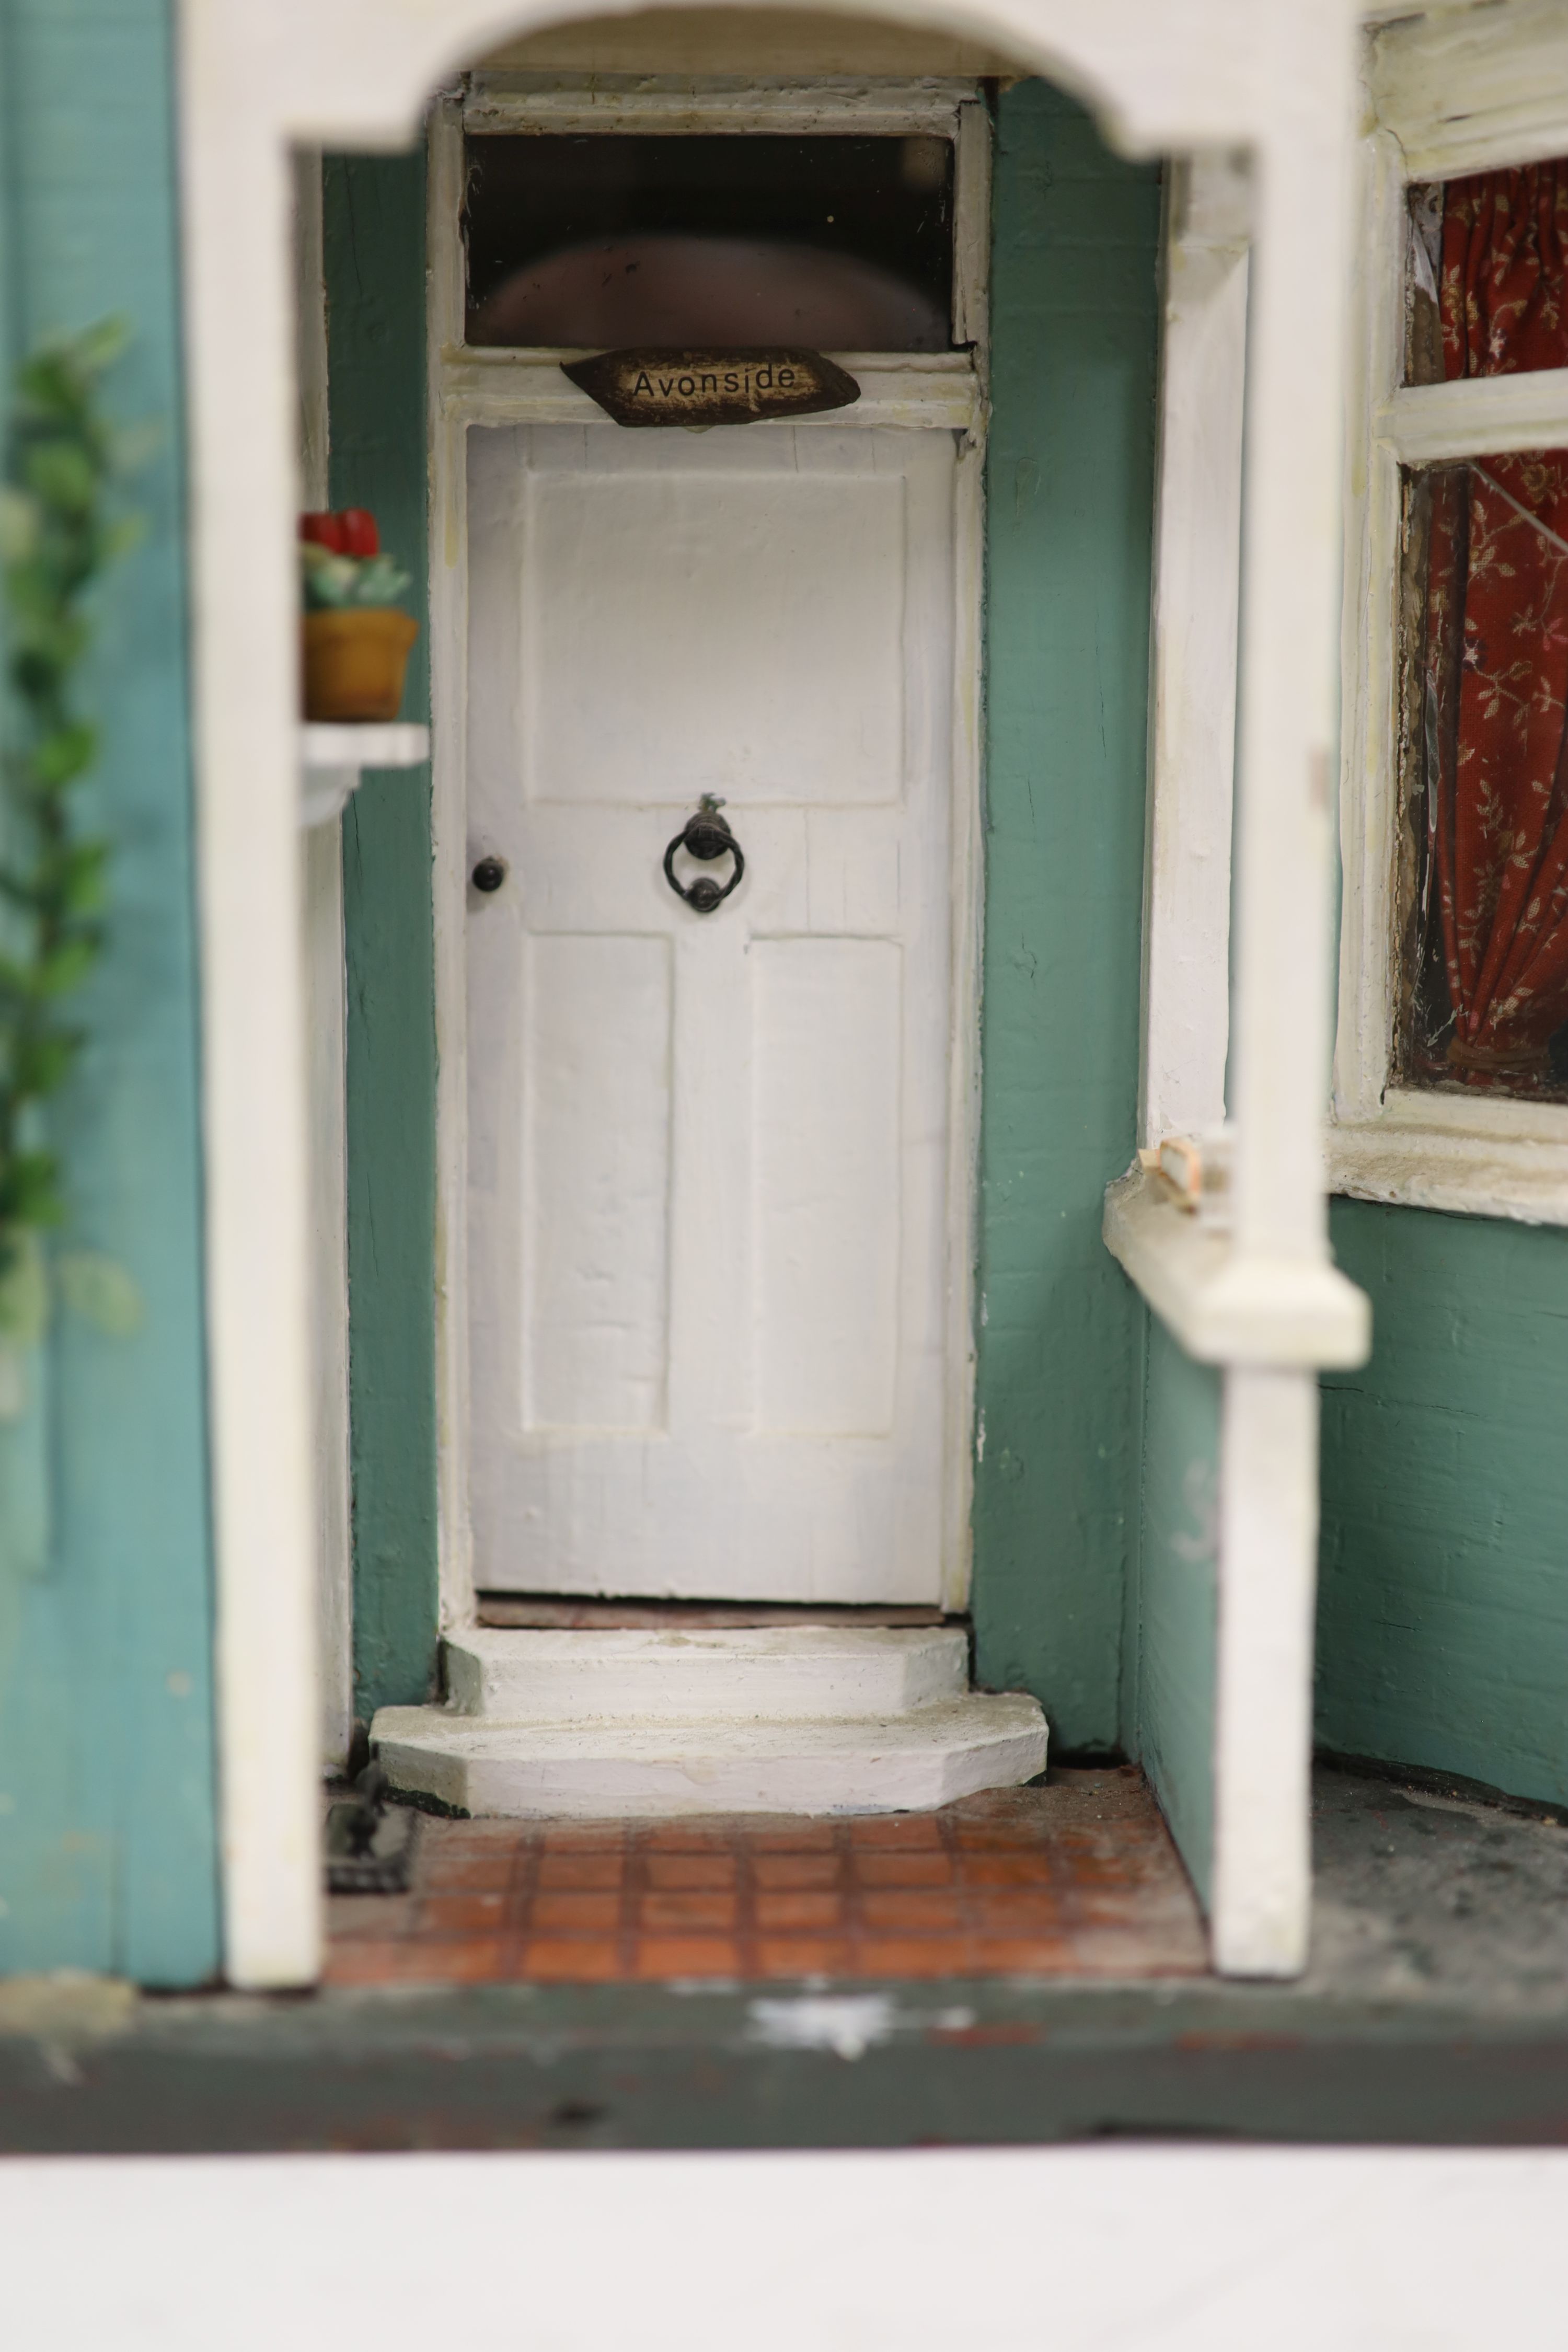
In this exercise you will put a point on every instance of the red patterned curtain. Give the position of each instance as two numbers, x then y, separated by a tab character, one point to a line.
1497	644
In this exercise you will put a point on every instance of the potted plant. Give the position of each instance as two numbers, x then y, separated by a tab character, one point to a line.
356	641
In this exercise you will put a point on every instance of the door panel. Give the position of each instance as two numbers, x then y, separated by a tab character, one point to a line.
596	1198
826	1017
708	1153
706	601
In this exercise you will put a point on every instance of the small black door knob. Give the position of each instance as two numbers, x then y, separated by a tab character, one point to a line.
488	875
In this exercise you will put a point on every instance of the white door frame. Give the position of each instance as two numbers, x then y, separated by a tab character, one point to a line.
940	390
1163	76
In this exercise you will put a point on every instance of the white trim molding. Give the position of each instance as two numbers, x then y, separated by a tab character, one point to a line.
1193	648
1454	90
468	385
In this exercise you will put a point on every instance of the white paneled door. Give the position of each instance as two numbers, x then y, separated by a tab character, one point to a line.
709	1151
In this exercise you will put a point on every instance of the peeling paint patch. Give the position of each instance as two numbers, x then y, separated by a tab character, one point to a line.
848	2024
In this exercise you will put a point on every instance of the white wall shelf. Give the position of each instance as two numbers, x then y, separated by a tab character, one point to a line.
333	758
1225	1307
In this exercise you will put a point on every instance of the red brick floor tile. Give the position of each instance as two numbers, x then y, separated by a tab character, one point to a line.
803	1956
922	1909
353	1961
460	1914
1020	1914
568	1960
465	1959
660	1913
688	1956
1049	1956
554	1914
690	1870
577	1837
786	1911
896	1830
355	1916
1021	1869
795	1837
459	1873
782	1870
903	1869
698	1836
913	1956
585	1872
1079	1877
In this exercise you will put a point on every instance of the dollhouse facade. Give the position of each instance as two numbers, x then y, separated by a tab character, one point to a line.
519	1237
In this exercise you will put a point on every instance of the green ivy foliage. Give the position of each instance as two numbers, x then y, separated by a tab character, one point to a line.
59	532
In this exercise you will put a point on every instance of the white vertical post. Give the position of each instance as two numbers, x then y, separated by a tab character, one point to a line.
236	210
326	1021
1289	730
448	565
1192	705
1268	1462
1261	1893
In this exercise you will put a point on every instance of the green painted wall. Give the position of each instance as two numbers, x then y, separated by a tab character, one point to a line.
1071	496
1169	1683
108	1845
375	283
1443	1609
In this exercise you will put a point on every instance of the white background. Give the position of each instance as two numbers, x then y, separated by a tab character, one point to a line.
1262	2249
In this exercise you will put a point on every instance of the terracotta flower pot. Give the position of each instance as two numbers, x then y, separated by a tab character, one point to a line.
355	659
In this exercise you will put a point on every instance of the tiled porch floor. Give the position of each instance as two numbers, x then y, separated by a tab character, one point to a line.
1078	1878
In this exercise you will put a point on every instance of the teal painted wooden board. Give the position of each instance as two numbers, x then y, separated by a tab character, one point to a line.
108	1837
1071	495
375	278
1443	1603
1169	1704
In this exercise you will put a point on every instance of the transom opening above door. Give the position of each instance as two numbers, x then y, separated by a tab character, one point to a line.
842	243
840	216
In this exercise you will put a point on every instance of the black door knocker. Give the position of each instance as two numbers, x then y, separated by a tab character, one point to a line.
705	836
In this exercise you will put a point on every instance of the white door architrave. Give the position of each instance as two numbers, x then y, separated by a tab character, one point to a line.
1274	76
929	407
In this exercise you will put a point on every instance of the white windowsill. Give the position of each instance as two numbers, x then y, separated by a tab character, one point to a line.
1482	1159
1225	1309
333	758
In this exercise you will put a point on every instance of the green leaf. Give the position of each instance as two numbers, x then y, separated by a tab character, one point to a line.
101	1292
380	582
65	754
24	1290
56	974
40	1063
61	475
19	525
93	349
28	1195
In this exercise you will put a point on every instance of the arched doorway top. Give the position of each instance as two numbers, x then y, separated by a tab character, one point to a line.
1159	77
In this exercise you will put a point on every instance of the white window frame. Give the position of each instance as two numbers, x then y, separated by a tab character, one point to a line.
1453	91
940	390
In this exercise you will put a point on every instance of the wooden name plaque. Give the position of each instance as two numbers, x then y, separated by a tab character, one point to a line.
696	388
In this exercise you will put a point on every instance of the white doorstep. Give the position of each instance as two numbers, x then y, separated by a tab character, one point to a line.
732	1676
908	1763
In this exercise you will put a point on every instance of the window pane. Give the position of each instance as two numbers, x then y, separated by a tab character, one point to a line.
1483	885
600	242
1486	287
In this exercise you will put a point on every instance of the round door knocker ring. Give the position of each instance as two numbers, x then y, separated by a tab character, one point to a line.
706	837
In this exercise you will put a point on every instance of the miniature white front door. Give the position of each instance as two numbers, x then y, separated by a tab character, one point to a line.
707	1152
